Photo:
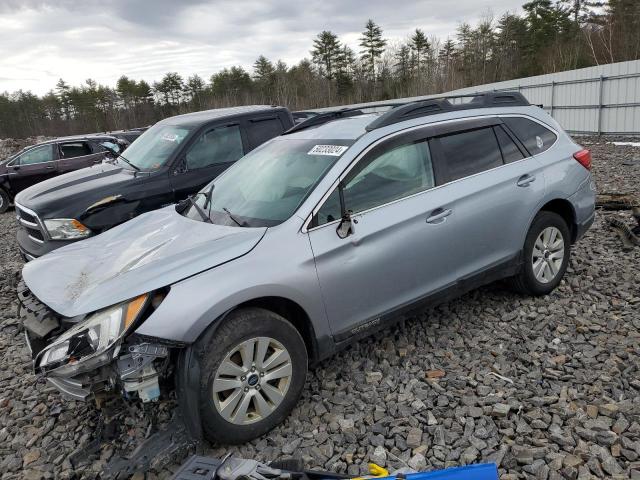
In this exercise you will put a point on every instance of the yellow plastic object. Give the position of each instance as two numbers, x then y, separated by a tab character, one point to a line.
376	471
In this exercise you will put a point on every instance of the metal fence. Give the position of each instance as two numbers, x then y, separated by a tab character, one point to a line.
597	100
604	99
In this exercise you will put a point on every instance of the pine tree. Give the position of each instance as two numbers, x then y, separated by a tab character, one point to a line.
420	45
326	53
372	45
263	70
403	61
63	92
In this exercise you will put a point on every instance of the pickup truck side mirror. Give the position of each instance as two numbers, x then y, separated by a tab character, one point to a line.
345	227
112	148
181	167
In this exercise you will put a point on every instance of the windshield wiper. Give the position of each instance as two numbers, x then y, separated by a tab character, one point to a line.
129	163
202	213
226	210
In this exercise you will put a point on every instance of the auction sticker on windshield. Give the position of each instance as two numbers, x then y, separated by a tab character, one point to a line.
333	150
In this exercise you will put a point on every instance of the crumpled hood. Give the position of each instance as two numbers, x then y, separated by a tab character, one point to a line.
151	251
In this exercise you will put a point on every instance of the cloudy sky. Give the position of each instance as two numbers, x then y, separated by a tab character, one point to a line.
44	40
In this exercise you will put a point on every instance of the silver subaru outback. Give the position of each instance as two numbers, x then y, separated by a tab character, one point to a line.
339	227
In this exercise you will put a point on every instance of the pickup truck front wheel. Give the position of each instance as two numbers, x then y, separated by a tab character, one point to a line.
252	373
4	201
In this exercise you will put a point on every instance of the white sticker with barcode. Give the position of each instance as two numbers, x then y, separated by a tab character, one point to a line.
333	150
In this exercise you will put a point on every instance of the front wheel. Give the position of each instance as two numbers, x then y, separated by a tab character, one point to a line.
545	254
253	371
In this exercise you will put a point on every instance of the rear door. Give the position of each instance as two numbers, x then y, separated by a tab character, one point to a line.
211	152
491	190
77	154
33	166
393	256
263	128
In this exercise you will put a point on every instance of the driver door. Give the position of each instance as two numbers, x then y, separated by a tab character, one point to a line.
33	166
393	255
208	156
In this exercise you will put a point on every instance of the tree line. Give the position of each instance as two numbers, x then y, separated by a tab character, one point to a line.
549	36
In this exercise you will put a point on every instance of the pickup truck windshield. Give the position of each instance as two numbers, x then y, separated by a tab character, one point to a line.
155	146
265	187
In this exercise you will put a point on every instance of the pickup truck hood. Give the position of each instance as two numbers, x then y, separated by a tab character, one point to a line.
76	190
151	251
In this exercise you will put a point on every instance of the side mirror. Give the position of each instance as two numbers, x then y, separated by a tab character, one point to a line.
112	148
345	227
181	167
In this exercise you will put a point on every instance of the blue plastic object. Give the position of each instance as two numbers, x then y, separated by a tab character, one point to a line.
479	471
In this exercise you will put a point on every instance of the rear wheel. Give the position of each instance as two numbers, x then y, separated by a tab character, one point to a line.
4	201
546	255
253	371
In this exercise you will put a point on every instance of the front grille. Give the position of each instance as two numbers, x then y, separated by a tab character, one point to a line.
26	216
31	223
35	234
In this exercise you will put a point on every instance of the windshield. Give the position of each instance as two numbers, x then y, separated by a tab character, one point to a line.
266	186
153	148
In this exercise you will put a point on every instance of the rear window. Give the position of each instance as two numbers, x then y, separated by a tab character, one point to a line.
74	149
534	136
468	153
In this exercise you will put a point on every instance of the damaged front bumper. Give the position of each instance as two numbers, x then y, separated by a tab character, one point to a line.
132	366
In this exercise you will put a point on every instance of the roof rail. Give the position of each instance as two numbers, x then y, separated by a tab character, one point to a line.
442	104
335	114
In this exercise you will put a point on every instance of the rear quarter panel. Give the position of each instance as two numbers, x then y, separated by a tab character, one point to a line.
563	175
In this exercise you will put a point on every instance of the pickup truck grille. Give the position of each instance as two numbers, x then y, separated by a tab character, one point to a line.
31	223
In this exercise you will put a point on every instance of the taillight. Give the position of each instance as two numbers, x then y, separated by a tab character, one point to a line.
584	158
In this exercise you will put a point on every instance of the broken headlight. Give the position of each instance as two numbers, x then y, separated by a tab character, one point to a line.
94	336
66	229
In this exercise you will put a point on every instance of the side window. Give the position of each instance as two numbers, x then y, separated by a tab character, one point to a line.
36	155
534	136
382	178
216	146
510	151
74	149
259	131
468	153
330	209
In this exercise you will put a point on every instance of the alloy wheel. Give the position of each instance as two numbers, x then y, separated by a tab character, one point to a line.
547	255
252	380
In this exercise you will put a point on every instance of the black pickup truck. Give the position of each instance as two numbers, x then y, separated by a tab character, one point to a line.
171	160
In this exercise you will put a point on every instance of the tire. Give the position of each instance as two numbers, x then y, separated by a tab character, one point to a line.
223	364
542	258
4	201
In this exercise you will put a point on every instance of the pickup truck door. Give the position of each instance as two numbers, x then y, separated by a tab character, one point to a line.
211	153
33	166
77	155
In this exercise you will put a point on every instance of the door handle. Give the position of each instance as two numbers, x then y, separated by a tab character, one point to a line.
439	215
49	167
526	180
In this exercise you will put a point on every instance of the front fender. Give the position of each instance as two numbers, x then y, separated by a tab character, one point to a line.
281	265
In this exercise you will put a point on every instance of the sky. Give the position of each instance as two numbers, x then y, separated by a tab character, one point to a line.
42	41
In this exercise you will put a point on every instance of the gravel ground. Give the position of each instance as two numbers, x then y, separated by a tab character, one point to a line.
548	387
